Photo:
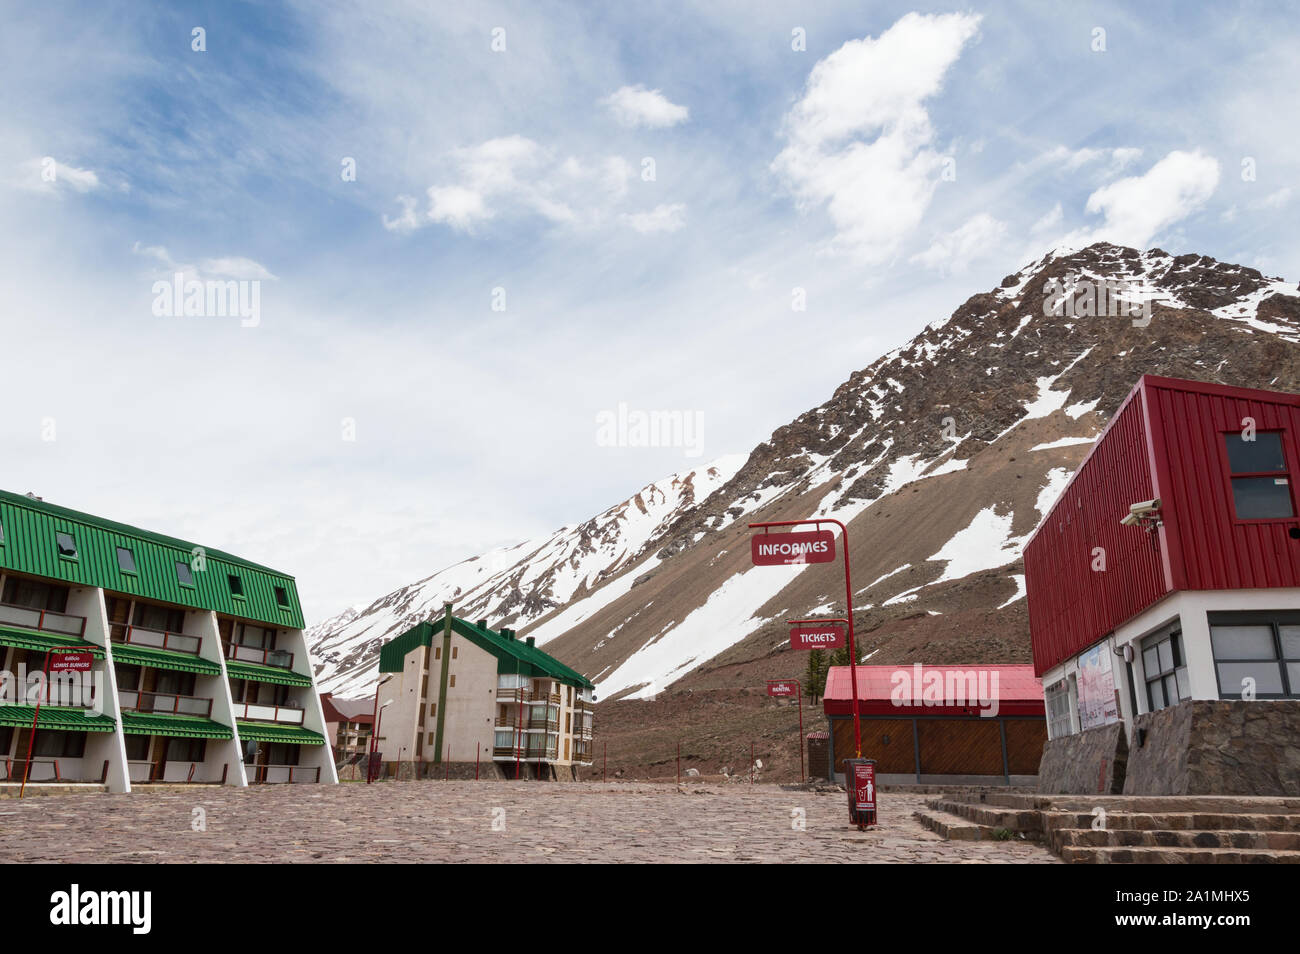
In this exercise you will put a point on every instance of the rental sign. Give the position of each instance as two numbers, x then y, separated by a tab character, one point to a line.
790	549
816	637
782	687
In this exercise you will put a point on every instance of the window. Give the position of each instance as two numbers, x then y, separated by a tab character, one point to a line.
67	545
184	574
1256	655
58	745
454	651
282	597
1165	670
236	586
2	533
1057	697
137	748
1261	485
35	594
125	560
186	750
452	684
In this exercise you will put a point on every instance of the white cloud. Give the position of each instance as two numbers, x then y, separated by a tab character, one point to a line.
1050	220
1120	157
979	235
47	175
636	106
231	266
1275	200
1135	209
662	218
513	176
859	139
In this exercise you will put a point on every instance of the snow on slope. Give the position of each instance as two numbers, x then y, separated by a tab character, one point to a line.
517	584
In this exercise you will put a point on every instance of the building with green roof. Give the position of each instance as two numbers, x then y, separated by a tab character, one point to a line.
199	667
456	691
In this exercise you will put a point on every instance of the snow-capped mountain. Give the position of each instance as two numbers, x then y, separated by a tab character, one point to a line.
941	457
514	585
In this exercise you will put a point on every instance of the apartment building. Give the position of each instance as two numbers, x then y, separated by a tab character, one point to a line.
459	692
199	673
347	725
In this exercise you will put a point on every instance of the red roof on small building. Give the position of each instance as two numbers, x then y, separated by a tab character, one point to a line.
346	710
918	689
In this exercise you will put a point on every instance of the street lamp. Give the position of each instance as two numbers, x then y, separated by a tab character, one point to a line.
374	731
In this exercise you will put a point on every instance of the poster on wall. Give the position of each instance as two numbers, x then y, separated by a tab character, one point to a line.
1096	689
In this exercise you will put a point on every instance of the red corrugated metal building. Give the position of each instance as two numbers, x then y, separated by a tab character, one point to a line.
1193	593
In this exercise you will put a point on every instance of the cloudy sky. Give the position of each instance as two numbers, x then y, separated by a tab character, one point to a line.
472	231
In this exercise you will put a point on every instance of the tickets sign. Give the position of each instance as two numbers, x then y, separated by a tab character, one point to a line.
782	687
790	549
816	637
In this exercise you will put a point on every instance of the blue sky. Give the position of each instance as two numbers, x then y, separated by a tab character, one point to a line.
906	158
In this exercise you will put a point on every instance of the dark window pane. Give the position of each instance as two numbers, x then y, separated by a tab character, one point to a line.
1232	676
1290	641
125	560
183	574
67	546
137	748
236	586
281	596
1262	498
1263	455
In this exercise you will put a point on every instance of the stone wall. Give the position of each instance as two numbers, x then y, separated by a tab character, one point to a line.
1087	763
1211	747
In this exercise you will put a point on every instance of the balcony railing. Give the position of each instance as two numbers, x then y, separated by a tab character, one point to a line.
42	769
165	703
289	715
46	620
281	774
550	725
540	752
582	755
155	639
281	659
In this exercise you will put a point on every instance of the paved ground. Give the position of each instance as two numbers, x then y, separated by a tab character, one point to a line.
478	822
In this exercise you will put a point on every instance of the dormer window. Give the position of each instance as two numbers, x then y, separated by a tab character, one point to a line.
1261	484
66	544
184	575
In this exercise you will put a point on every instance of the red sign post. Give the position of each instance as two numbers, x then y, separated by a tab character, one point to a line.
765	552
784	689
74	661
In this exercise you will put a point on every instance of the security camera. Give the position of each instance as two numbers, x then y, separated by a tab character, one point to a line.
1145	508
1129	520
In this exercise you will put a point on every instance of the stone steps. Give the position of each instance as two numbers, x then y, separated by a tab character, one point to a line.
954	828
1060	838
1074	854
1018	821
1157	830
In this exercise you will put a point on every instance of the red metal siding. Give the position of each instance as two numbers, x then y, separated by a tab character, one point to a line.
1166	441
1072	605
1218	551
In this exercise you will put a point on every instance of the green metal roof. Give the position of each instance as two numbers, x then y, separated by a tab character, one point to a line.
513	655
238	669
266	732
55	717
163	659
29	527
187	727
41	641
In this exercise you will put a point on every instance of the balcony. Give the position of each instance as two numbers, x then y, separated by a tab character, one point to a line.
278	658
546	725
47	621
164	703
282	774
284	715
155	639
539	753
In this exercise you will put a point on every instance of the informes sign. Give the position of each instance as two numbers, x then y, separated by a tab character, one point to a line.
791	549
71	662
807	636
1097	704
782	687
